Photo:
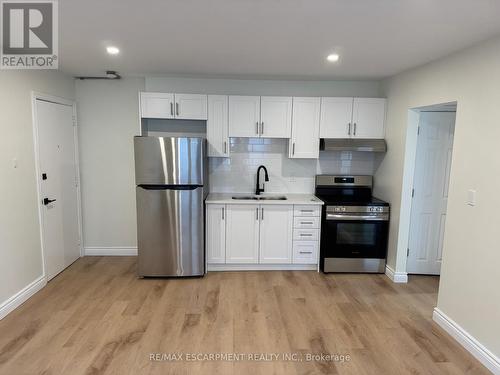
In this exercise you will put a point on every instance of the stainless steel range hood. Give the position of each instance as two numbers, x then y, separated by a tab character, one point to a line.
348	144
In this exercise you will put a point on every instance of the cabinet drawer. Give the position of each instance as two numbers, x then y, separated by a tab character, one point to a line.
305	234
305	252
308	222
306	210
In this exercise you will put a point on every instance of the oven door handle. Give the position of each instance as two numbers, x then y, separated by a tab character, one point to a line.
357	217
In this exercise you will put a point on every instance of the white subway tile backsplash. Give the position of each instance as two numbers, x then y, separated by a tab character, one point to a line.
238	173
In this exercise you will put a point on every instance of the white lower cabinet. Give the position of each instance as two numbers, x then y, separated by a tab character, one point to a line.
242	233
256	234
216	233
276	225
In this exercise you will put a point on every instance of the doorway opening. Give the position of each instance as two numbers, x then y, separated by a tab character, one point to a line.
429	191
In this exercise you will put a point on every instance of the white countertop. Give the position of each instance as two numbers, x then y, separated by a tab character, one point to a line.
227	198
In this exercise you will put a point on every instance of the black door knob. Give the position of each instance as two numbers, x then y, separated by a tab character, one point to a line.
46	201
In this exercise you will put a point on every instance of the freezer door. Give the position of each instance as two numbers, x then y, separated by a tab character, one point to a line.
169	160
170	231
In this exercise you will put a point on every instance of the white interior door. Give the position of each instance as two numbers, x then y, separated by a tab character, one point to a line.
431	180
58	185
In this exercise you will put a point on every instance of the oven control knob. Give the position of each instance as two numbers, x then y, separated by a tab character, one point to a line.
343	209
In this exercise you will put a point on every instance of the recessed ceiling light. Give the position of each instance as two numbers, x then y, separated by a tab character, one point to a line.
112	50
333	57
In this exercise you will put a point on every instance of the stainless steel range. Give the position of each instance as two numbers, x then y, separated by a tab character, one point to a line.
354	226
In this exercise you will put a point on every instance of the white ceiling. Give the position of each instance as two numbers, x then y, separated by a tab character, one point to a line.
268	38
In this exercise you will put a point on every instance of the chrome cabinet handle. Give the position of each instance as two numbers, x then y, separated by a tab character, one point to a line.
257	213
222	213
305	252
293	148
177	109
306	210
354	128
225	147
262	213
257	127
349	129
171	108
306	222
305	234
262	127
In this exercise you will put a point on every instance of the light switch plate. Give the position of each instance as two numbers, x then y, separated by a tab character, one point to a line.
471	197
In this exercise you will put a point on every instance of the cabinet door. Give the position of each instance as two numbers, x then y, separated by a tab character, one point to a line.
304	142
276	227
244	116
190	107
242	233
217	126
216	233
275	116
368	117
157	105
336	118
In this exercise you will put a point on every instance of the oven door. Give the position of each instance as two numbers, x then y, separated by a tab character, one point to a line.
351	238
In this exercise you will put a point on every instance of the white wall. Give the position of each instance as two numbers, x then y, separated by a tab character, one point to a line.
20	246
263	87
108	119
469	292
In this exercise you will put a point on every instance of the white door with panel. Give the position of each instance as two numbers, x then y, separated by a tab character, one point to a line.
336	118
216	233
431	180
57	155
276	233
190	106
368	118
304	142
242	233
275	116
157	105
244	116
217	126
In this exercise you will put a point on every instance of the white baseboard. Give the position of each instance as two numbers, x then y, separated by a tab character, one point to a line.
110	251
397	277
20	297
262	267
483	355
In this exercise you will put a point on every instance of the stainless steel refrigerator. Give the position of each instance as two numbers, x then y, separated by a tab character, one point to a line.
171	179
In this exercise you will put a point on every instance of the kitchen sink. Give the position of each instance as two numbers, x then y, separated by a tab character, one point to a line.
257	198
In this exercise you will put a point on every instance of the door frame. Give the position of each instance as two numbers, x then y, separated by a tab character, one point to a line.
36	144
407	186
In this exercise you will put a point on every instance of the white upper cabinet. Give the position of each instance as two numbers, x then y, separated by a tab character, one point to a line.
276	227
190	106
256	116
336	116
169	106
275	116
242	233
157	105
216	233
244	116
217	126
368	118
304	142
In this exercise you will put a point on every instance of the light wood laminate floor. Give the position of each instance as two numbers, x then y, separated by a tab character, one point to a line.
98	318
